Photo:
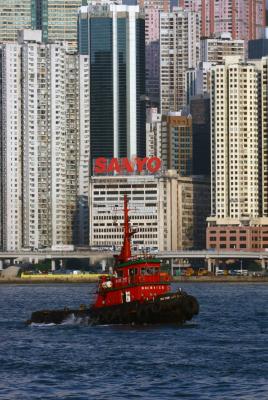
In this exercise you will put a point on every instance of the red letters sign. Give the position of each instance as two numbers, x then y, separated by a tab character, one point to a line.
122	165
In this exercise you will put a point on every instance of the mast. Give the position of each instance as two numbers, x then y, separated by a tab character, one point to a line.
125	254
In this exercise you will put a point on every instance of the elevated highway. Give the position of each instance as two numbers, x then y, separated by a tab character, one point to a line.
98	256
85	254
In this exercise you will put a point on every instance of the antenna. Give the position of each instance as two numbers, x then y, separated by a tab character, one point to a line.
125	254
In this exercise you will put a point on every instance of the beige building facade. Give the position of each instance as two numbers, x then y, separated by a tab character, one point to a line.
239	156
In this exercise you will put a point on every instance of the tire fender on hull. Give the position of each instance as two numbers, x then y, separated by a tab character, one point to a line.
190	306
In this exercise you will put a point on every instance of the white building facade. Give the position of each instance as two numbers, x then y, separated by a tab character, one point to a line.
179	51
40	141
164	209
153	133
235	140
11	144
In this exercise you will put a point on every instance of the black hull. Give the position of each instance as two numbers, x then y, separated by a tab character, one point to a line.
171	308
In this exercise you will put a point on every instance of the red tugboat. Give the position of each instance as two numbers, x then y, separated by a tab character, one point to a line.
137	293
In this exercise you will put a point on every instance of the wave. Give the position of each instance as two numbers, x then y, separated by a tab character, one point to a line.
71	320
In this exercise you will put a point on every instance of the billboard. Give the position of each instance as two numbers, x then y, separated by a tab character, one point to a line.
124	166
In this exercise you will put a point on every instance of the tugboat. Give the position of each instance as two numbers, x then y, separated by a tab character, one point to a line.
138	292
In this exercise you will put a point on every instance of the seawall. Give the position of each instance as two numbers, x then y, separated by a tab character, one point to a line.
93	278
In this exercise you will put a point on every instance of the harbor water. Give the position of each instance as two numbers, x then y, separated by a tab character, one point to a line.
220	354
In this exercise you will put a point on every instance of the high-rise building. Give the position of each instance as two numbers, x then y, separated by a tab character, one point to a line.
158	4
57	19
243	19
84	151
114	37
198	80
179	51
152	9
238	156
14	15
177	146
257	49
200	112
215	49
262	65
40	143
11	146
153	133
235	140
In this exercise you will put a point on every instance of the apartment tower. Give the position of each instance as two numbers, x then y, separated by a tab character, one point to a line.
238	157
179	51
40	143
152	10
243	19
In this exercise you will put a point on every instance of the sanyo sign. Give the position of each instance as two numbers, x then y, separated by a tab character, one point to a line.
104	165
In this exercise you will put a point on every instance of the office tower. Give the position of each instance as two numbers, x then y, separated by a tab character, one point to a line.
177	143
200	112
57	19
179	51
40	143
14	15
243	19
116	49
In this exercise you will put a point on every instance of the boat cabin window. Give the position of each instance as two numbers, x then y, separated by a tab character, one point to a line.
133	271
149	271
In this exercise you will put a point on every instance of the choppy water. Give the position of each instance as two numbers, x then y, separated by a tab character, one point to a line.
221	354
